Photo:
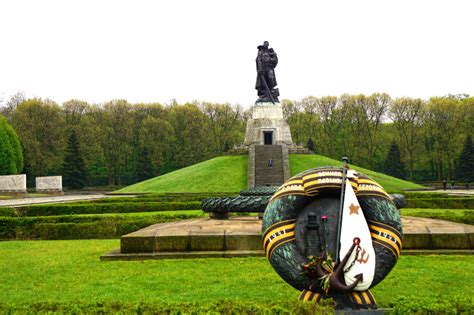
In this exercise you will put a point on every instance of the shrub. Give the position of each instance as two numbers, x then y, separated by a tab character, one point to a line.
84	227
7	212
94	208
441	203
204	307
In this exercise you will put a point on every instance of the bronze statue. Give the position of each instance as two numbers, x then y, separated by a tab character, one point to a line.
266	81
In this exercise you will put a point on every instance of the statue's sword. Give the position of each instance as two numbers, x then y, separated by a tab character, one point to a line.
262	77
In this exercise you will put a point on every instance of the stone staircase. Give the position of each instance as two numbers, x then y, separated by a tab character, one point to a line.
270	165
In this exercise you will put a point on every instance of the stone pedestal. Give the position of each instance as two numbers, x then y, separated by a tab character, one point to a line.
50	185
267	126
13	185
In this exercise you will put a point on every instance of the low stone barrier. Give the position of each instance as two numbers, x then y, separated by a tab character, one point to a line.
14	185
50	185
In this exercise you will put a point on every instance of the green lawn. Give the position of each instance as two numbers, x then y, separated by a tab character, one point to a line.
302	162
229	174
221	174
70	272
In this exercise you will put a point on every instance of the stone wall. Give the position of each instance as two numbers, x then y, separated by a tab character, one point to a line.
49	184
267	117
13	184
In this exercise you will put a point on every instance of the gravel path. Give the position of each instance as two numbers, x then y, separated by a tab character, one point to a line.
50	199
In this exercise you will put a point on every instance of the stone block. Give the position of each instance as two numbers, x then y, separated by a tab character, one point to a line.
172	243
238	241
267	110
267	117
137	244
470	239
450	240
207	242
13	184
49	184
417	241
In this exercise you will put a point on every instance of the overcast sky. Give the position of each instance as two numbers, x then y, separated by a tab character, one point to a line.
155	51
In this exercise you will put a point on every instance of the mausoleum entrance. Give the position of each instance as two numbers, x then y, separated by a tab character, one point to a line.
268	137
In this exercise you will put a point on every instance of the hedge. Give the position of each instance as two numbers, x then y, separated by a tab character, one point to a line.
425	195
91	208
83	227
214	307
441	203
404	305
7	212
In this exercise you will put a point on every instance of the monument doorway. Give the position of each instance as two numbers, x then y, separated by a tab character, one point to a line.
268	137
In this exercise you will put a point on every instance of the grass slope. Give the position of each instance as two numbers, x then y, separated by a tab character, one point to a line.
302	162
229	174
220	174
70	271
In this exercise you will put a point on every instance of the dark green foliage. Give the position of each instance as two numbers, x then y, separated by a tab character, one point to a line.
465	166
74	167
93	208
413	304
11	156
7	212
203	307
144	169
393	165
310	145
83	227
441	203
16	146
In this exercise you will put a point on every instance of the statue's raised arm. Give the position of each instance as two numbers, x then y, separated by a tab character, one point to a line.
266	61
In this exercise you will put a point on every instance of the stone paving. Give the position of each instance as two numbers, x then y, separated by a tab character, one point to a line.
49	199
241	236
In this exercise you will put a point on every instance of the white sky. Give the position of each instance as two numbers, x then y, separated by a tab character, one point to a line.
155	51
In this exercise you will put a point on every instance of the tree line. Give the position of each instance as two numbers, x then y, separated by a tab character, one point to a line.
118	140
430	134
121	143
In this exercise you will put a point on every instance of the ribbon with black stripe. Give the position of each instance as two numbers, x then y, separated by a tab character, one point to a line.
387	236
368	187
310	296
363	298
277	235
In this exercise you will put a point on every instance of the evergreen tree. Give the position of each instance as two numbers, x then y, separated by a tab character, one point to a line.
465	167
393	164
310	145
74	167
16	147
11	156
144	168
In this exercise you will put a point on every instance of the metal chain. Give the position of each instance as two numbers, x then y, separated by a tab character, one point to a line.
354	261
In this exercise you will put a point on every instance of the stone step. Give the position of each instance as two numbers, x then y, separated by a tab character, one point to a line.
242	236
264	174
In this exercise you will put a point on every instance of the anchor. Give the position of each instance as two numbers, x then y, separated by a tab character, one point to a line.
336	283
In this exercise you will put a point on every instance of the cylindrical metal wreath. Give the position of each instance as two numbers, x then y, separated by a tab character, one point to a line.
300	225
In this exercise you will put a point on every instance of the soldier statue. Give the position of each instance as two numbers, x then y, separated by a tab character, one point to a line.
266	81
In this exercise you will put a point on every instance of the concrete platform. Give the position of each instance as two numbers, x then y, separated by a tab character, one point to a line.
241	236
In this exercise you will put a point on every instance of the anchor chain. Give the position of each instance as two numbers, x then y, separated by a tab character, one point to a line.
355	259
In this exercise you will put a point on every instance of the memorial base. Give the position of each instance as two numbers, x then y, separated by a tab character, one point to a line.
355	300
17	194
51	192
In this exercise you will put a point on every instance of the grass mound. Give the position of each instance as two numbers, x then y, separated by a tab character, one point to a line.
229	174
302	162
224	173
